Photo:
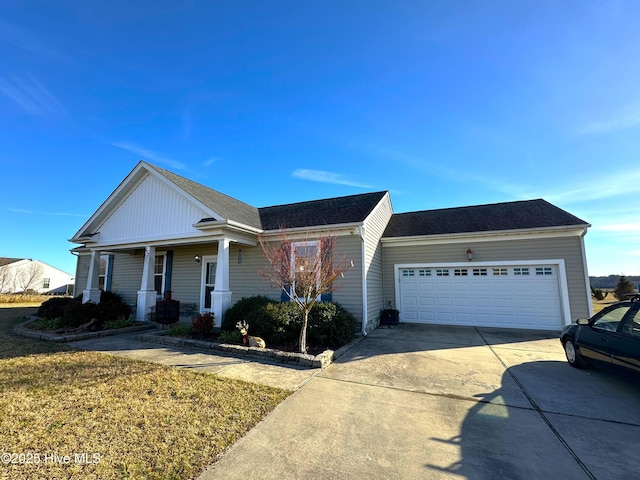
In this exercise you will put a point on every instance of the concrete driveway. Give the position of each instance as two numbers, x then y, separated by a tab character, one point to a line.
446	402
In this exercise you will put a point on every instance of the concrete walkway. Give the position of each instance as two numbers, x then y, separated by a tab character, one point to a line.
250	369
445	402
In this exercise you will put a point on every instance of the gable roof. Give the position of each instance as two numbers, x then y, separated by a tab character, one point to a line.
228	207
518	215
328	211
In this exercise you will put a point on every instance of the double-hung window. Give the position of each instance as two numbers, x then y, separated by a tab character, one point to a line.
306	265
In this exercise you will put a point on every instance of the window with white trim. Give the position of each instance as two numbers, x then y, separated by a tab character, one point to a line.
46	282
408	273
521	271
544	271
158	274
460	272
104	268
424	272
305	258
479	272
500	272
442	272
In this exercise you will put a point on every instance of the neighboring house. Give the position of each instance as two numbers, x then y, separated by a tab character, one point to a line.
517	264
19	275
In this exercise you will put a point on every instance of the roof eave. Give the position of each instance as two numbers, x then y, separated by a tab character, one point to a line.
564	230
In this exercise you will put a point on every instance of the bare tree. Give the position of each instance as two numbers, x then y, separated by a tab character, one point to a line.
5	275
304	269
30	277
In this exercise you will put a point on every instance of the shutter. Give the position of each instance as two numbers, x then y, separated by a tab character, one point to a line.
284	297
168	269
326	297
109	273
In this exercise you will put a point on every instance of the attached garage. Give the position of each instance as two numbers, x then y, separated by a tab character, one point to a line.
519	295
510	265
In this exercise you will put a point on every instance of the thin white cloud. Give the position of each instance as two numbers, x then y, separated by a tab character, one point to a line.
32	97
624	118
622	227
598	187
149	155
55	214
325	177
209	162
31	42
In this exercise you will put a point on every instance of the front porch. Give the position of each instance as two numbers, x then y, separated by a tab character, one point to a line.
197	275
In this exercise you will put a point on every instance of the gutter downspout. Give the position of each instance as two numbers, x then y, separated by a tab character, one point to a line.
586	273
364	284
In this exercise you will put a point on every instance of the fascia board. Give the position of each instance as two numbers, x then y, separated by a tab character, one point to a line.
494	236
338	229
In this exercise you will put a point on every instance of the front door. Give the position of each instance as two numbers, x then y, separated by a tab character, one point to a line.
208	282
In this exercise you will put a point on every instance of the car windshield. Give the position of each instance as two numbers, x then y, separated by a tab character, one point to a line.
611	319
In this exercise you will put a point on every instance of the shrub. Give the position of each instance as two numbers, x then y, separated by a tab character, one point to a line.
112	307
46	324
78	313
72	313
203	323
117	323
54	307
181	331
230	336
598	294
280	323
331	325
247	309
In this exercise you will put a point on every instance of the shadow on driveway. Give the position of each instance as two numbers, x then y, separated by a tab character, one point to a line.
592	423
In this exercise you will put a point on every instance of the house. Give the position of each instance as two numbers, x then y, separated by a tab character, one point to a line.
19	275
518	264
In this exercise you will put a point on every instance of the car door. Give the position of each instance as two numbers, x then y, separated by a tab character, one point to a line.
594	341
625	345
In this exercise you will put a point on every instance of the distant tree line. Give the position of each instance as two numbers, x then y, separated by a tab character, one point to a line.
611	281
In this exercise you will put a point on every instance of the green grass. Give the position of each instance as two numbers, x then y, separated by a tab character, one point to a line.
142	420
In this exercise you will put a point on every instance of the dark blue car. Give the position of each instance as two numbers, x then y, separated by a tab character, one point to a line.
611	337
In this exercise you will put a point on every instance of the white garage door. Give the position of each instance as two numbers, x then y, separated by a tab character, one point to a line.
495	296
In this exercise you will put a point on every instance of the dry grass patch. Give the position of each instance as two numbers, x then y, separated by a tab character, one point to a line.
142	420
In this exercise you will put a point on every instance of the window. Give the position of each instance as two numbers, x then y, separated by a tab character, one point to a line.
424	273
409	273
500	272
461	272
521	271
46	282
544	271
305	261
479	272
633	325
610	319
104	268
442	272
158	274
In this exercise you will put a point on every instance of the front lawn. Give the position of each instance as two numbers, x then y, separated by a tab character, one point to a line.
75	414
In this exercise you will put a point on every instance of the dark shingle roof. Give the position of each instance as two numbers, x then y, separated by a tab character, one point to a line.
481	218
228	207
329	211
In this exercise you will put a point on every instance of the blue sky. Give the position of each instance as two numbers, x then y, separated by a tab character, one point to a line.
442	103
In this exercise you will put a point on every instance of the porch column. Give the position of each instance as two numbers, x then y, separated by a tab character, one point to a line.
147	293
221	296
92	292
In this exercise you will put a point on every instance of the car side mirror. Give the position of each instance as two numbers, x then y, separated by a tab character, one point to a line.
582	321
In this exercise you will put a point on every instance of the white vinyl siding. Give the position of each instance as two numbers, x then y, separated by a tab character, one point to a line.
567	248
374	227
151	210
